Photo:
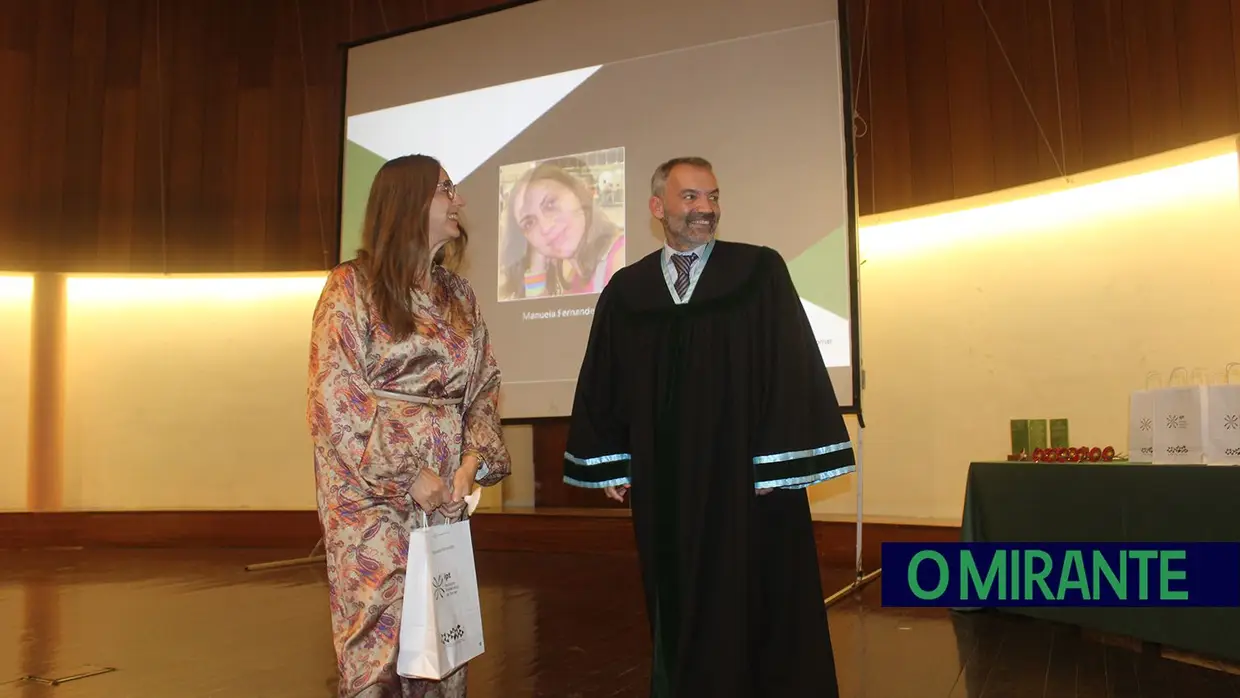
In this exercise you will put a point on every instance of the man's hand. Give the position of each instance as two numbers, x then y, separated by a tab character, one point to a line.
617	492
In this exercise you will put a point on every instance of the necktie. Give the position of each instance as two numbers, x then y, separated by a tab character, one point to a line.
683	262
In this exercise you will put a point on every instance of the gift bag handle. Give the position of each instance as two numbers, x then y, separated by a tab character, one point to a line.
1154	375
1200	376
426	519
1227	372
1171	376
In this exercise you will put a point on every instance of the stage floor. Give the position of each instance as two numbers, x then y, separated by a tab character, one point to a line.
190	624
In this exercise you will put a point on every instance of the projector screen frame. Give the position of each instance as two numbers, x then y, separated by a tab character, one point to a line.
850	176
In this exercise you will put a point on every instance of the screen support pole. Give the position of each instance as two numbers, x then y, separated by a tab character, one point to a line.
316	555
862	578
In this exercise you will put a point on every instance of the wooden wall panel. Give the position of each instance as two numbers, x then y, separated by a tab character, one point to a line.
294	533
202	135
1032	89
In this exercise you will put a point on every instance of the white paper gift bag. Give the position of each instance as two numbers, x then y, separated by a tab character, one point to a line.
1179	424
441	624
1223	421
1141	422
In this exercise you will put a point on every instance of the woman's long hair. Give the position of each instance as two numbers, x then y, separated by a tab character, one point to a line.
395	255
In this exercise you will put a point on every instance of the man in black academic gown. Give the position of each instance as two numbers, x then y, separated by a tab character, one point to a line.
703	390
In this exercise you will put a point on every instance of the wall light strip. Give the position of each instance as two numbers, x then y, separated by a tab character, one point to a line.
1179	185
105	290
16	289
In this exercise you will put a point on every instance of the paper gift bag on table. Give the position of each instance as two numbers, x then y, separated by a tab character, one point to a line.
441	624
1223	421
1141	421
1179	424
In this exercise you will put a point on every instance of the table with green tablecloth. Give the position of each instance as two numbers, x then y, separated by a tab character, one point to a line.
1017	502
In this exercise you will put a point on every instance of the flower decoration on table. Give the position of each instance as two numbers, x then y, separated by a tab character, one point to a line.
1078	454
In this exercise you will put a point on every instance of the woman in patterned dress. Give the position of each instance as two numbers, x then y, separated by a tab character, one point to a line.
403	410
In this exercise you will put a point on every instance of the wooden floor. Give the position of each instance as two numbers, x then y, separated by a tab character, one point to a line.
195	624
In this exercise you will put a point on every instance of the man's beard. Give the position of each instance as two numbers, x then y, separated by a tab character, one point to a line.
686	231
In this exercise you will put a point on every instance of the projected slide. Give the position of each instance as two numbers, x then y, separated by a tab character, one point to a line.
561	225
554	166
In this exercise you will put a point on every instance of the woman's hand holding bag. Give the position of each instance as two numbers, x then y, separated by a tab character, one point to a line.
429	491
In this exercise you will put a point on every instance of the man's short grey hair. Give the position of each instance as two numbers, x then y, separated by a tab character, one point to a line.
658	181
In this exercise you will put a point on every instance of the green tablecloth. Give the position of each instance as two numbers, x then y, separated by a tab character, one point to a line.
1034	502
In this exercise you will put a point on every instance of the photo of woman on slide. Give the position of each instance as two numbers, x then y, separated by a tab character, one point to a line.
561	226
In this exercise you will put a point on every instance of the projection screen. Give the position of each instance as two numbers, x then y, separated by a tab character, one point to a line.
579	101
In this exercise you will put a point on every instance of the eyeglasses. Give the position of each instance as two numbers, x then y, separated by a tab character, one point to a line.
447	187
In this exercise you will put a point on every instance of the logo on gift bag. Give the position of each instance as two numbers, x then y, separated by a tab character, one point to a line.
443	586
1176	421
456	634
1231	422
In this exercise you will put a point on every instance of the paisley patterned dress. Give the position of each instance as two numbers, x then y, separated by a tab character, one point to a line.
379	411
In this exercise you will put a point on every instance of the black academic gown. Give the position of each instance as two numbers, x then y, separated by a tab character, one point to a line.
696	406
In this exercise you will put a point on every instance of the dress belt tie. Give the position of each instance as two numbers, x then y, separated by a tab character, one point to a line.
419	399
